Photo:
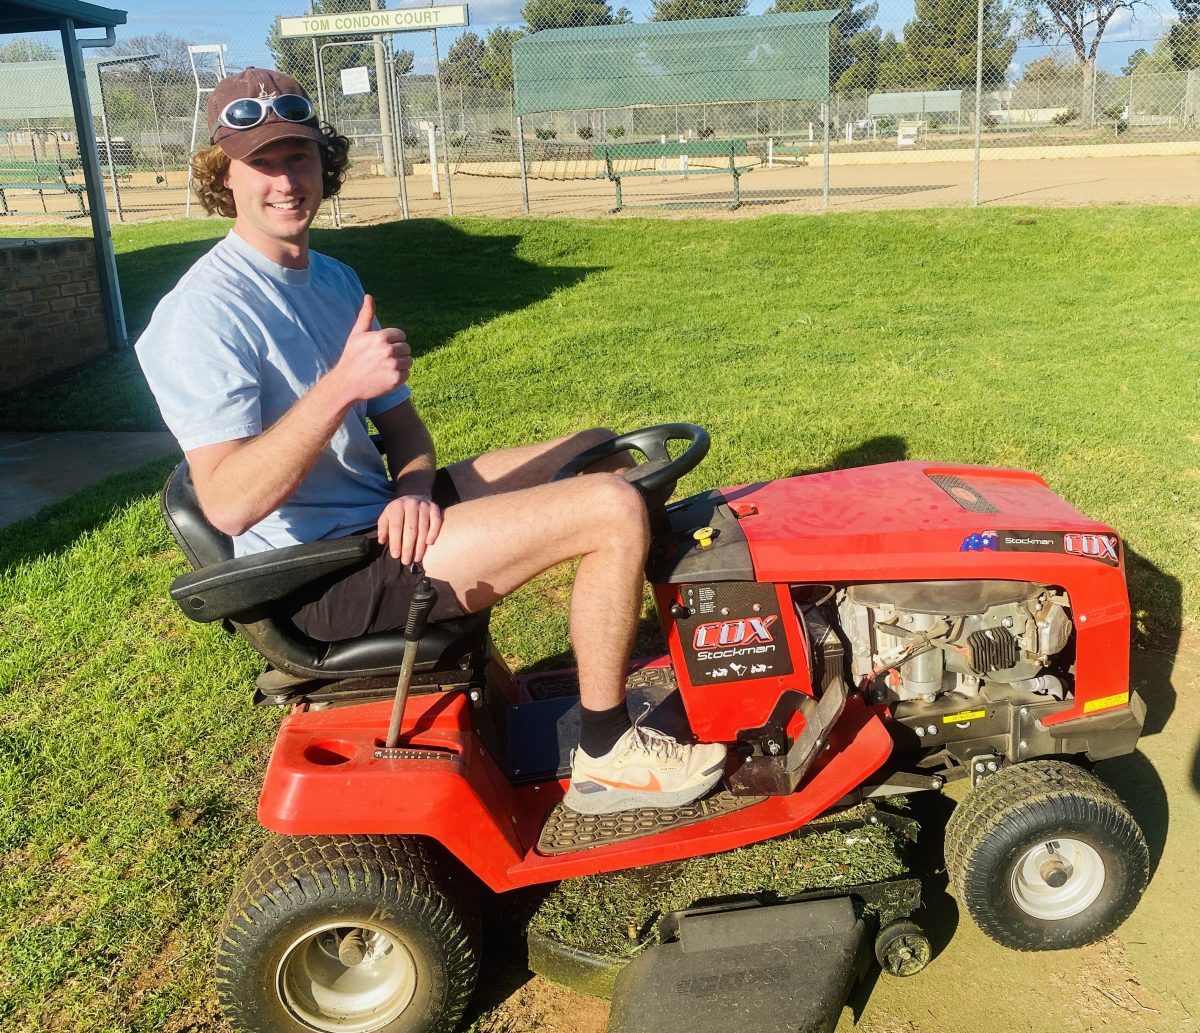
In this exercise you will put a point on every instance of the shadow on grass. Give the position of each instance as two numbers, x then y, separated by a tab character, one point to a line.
1159	596
938	916
430	277
58	526
885	448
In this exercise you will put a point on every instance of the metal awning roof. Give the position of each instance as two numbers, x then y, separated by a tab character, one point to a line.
44	15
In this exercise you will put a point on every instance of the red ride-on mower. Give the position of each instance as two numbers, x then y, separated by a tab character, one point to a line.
851	635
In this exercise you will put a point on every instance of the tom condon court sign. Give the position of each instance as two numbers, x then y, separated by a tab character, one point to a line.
406	19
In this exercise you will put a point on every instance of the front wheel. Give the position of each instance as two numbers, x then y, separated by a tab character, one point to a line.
354	934
1045	856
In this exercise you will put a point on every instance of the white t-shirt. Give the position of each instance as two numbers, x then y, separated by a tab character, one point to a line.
234	346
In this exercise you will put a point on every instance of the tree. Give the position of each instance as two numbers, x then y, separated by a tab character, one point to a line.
1052	68
171	60
1135	59
681	10
565	14
853	40
294	56
22	48
1082	24
497	57
1160	60
1184	37
463	65
940	44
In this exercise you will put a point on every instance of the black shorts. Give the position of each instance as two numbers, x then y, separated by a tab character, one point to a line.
375	597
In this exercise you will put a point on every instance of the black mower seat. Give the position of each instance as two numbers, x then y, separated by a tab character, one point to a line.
251	593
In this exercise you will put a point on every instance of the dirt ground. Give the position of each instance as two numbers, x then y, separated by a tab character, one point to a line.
1074	180
1143	979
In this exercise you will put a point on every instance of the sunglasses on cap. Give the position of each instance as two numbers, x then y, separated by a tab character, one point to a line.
248	112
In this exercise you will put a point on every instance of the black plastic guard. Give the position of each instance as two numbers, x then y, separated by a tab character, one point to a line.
768	969
235	587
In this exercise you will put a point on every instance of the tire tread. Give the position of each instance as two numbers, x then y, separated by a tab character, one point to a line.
1015	803
289	873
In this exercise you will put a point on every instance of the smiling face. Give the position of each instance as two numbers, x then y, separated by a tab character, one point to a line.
277	191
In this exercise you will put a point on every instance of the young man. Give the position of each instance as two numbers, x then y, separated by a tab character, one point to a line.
266	360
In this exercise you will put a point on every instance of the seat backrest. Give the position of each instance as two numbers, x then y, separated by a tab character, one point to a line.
201	543
447	644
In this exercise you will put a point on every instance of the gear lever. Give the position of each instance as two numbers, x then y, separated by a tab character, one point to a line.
424	598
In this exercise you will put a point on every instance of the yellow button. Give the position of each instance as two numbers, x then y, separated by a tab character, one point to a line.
703	536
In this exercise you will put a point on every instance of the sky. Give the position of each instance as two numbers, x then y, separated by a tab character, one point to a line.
243	25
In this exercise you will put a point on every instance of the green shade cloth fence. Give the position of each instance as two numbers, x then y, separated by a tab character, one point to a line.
702	61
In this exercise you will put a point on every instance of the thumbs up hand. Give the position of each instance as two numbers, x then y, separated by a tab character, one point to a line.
373	362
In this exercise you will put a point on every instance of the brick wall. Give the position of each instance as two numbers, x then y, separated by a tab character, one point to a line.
51	313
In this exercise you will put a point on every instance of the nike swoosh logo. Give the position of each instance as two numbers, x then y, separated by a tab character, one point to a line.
651	786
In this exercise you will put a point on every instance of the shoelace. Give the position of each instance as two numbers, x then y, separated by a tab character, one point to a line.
651	740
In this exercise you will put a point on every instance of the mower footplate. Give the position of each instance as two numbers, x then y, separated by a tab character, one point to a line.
782	968
566	831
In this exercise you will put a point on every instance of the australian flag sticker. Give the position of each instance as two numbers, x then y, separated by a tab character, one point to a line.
983	541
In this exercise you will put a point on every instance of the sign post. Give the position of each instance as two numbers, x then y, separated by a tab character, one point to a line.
378	23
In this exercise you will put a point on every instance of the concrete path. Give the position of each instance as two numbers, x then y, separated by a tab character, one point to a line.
37	469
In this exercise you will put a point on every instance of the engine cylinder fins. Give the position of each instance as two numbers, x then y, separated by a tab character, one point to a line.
949	598
993	649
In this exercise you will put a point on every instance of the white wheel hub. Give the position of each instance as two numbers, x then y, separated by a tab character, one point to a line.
328	995
1057	878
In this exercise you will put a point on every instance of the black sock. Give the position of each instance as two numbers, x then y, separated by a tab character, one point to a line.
599	730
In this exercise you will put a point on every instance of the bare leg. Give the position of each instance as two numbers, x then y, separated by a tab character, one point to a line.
489	547
491	544
511	469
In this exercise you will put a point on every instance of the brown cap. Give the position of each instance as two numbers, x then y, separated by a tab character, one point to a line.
262	84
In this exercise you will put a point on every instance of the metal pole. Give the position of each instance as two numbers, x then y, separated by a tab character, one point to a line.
398	130
106	262
825	174
521	161
978	104
334	207
112	172
385	118
162	160
437	78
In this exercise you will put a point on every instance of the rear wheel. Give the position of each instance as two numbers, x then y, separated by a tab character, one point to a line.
1045	856
356	934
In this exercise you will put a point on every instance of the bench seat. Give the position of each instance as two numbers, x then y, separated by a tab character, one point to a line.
654	149
42	177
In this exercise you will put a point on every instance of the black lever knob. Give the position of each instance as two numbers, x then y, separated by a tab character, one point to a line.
423	600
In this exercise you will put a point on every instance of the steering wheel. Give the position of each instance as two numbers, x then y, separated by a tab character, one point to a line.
656	478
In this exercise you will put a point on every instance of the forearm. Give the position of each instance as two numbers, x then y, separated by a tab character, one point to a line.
261	474
412	460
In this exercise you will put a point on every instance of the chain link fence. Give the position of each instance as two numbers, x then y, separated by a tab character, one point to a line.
887	104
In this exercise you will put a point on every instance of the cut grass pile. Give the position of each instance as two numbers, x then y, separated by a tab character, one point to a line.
616	915
130	756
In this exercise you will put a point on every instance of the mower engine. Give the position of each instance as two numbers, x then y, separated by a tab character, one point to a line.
920	640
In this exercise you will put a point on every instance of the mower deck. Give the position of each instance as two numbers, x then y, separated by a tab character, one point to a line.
778	969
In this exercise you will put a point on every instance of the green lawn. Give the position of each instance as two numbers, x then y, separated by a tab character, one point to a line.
1058	340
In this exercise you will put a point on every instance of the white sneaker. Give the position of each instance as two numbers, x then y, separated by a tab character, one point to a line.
646	768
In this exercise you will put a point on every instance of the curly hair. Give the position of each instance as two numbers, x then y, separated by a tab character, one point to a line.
211	164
